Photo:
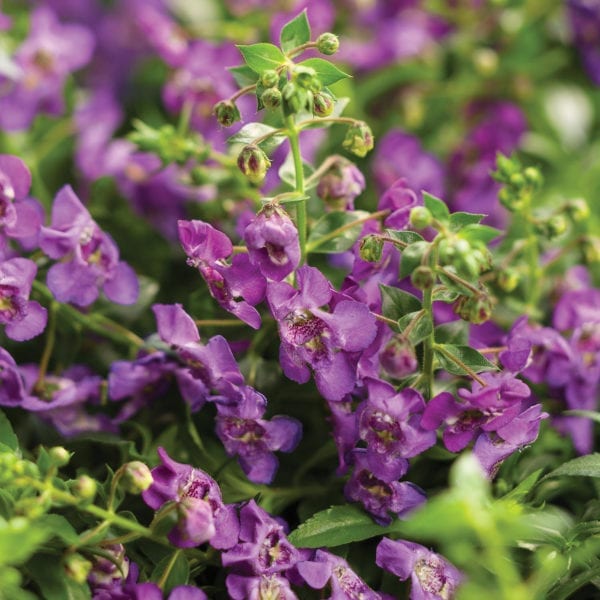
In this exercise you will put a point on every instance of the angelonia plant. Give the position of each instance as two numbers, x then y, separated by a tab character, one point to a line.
262	387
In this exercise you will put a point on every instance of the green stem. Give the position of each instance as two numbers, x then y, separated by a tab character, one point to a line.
48	348
184	117
533	258
428	346
301	216
459	363
163	578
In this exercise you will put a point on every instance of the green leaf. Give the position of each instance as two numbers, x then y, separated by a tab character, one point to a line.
397	303
420	330
252	131
584	414
19	539
178	569
436	207
466	355
7	435
295	32
243	75
327	224
584	466
479	233
336	526
458	220
327	72
455	332
520	492
443	294
52	580
58	526
287	172
408	237
411	257
262	56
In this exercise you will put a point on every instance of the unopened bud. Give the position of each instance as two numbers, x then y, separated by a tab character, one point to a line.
420	217
371	248
253	163
59	456
84	488
578	209
269	78
227	113
136	477
328	43
77	567
508	280
505	167
306	77
271	98
557	225
422	278
323	104
533	177
294	98
398	358
475	309
359	139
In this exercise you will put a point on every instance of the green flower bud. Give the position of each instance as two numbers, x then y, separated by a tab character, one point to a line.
590	247
422	278
508	280
269	78
420	217
253	163
84	488
59	456
557	225
294	98
359	139
77	567
533	177
505	167
475	309
136	477
517	180
227	113
323	105
371	248
271	98
328	43
306	77
578	210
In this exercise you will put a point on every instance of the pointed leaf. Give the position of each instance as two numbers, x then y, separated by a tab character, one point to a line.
295	32
455	332
465	355
327	72
411	258
252	131
7	435
458	220
397	303
243	75
263	56
480	233
436	207
583	466
422	327
408	237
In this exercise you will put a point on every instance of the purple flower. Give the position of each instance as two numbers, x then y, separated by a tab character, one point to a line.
272	241
584	16
400	200
202	516
263	547
241	587
236	287
107	572
341	184
344	428
23	318
49	54
90	258
381	495
344	582
389	423
245	433
312	337
12	384
432	576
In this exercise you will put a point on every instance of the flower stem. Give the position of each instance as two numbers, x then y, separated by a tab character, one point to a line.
50	339
428	346
165	575
301	216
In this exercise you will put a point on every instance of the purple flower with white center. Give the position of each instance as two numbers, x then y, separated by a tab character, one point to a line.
344	583
89	257
389	423
19	216
400	155
272	241
432	576
202	515
236	287
341	184
49	54
251	438
205	372
23	318
263	548
312	338
381	495
259	587
584	16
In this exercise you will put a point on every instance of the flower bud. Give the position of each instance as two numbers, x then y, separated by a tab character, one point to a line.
107	571
578	210
269	78
306	77
227	113
341	184
371	248
77	567
475	309
505	167
84	488
328	43
59	456
323	105
136	477
253	163
533	177
420	217
271	98
359	139
294	98
398	358
423	278
590	246
508	280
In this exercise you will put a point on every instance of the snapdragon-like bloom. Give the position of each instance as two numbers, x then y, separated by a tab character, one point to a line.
431	575
263	548
272	241
399	199
236	287
251	438
312	338
23	318
89	258
202	516
259	587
